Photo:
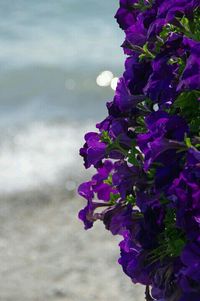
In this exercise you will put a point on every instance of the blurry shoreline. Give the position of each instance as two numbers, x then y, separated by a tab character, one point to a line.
47	255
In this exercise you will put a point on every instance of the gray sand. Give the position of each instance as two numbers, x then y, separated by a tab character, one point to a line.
46	254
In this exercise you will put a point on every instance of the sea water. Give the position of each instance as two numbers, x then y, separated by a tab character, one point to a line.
51	53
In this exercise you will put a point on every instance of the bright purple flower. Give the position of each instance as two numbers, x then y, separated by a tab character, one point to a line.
94	149
85	190
86	214
103	189
99	187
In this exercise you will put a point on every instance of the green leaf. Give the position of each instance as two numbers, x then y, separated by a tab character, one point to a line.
132	156
130	199
113	198
109	180
147	54
188	142
105	137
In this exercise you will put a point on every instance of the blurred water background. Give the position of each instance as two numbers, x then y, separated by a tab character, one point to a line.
51	53
51	56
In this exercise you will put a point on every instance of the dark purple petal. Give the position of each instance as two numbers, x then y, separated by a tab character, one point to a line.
190	79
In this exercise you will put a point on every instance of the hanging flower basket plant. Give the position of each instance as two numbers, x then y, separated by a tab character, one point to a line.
147	151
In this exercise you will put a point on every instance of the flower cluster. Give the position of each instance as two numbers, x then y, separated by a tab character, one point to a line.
147	151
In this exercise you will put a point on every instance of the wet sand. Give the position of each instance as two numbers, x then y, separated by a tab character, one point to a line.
46	254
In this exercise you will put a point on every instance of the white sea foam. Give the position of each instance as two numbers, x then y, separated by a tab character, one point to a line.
41	154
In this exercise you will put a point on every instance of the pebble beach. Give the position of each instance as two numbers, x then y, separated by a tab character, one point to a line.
46	254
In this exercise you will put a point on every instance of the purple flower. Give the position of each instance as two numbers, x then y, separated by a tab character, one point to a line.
150	226
165	134
133	264
185	195
125	177
165	285
86	214
190	79
170	9
136	74
190	257
98	187
94	149
190	296
123	98
126	15
161	86
136	35
145	201
118	218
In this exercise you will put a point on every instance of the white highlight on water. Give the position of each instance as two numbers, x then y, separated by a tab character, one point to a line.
114	83
104	78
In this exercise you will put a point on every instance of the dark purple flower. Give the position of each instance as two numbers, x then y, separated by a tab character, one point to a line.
136	74
185	195
126	15
136	35
165	285
123	98
150	227
161	86
170	9
125	177
145	201
193	157
165	134
133	264
190	79
189	297
118	218
190	258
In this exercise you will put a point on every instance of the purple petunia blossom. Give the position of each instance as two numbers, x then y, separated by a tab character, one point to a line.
165	134
93	150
